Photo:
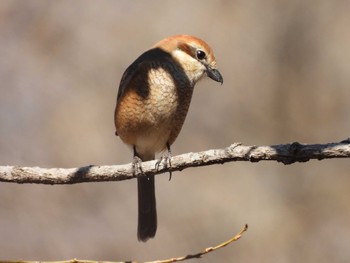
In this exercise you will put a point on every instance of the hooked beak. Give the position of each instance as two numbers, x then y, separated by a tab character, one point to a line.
214	74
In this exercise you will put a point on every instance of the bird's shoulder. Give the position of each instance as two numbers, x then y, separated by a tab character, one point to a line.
152	58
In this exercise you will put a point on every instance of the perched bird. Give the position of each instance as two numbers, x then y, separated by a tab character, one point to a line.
152	103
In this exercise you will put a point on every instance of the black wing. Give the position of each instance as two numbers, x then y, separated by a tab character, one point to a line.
150	59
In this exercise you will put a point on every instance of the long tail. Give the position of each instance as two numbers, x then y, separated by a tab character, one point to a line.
147	218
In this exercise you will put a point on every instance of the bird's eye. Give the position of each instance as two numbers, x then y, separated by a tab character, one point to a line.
201	54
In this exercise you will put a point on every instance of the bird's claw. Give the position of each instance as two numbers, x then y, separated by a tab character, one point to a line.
166	160
136	166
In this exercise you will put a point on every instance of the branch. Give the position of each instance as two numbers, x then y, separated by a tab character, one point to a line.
284	153
170	260
205	251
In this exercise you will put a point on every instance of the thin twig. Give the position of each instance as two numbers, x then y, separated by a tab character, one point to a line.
65	261
205	251
178	259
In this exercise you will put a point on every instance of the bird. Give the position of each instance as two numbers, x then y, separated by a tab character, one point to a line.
153	99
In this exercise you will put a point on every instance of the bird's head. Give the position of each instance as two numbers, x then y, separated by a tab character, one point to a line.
194	55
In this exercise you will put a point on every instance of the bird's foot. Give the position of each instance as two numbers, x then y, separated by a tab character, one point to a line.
165	159
136	166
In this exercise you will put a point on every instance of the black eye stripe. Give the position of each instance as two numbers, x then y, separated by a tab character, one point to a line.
200	54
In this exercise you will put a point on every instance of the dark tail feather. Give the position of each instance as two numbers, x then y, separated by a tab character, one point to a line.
147	221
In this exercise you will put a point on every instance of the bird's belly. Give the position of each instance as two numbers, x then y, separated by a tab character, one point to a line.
153	116
153	140
148	123
157	122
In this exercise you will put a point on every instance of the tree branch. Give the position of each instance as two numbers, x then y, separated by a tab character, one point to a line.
205	251
170	260
284	153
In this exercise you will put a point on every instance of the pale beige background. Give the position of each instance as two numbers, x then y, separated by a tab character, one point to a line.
286	68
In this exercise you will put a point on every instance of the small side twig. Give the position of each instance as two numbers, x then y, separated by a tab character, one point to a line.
205	251
178	259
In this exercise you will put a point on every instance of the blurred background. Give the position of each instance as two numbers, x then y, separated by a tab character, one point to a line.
286	69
